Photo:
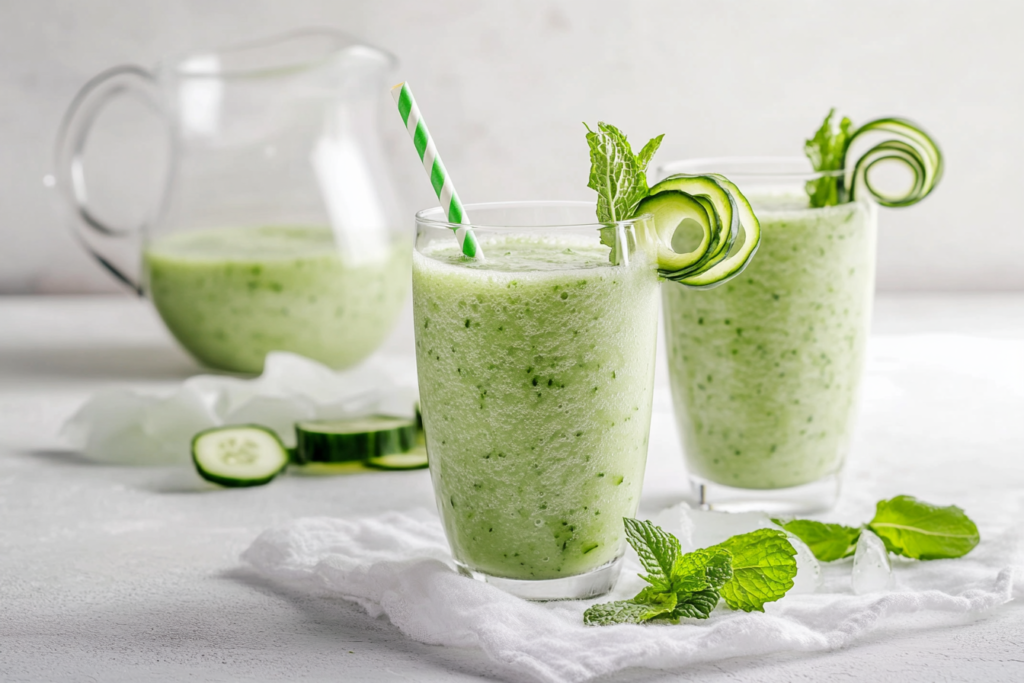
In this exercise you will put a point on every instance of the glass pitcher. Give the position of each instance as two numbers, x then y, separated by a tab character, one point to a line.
278	223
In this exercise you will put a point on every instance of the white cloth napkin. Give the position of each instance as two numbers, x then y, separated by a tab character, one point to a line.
398	565
130	427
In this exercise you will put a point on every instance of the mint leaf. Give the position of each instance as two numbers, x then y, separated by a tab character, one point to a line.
763	567
643	159
621	612
618	176
657	550
827	152
828	542
702	570
913	528
657	602
697	605
614	173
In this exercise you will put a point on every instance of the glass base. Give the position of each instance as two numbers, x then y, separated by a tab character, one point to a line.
818	496
596	582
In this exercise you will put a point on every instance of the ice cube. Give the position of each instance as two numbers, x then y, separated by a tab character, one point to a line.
808	570
872	571
710	527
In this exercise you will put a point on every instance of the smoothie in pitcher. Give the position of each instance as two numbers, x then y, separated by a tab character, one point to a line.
232	295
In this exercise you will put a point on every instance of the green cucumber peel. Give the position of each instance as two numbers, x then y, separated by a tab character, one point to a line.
748	570
847	177
908	527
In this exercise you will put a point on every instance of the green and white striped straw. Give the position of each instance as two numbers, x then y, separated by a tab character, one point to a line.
439	178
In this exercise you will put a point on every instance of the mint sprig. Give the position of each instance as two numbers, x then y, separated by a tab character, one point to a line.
827	152
617	175
908	527
749	570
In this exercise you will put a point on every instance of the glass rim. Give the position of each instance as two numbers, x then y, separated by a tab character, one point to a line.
750	167
426	216
334	42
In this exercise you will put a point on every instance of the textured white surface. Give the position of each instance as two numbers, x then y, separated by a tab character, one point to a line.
123	574
506	85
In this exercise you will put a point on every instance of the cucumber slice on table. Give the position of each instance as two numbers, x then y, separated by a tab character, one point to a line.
353	441
730	230
239	455
411	460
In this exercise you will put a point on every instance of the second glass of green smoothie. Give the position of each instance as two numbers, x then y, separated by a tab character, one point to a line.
536	369
765	369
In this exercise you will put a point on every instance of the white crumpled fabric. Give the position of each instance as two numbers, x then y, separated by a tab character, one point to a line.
130	427
398	565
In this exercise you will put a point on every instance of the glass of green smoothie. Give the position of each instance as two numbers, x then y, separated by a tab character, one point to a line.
536	368
765	369
277	226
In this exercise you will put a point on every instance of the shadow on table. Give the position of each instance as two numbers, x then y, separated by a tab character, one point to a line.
165	479
336	619
57	456
64	363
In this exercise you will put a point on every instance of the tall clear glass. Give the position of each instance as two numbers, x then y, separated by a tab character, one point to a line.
277	227
536	369
765	369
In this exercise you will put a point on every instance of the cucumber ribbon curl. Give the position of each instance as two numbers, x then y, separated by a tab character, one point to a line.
706	230
905	143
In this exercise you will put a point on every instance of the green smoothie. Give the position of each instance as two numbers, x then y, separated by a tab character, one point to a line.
765	368
232	295
535	373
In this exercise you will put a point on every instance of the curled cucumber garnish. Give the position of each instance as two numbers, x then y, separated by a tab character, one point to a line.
706	230
905	143
846	177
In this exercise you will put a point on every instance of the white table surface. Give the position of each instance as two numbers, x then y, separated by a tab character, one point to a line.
131	574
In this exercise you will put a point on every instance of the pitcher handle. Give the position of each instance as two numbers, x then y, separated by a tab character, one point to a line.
96	235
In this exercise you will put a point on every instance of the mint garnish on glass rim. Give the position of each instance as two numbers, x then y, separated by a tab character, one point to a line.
748	570
730	232
827	152
617	175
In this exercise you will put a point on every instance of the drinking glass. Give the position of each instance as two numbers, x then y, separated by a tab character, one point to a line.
765	369
536	368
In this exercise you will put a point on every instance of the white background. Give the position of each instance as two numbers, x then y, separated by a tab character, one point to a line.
506	85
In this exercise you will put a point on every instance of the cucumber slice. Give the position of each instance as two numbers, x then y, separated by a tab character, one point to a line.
740	251
318	469
239	455
411	460
671	210
733	230
724	206
354	440
910	146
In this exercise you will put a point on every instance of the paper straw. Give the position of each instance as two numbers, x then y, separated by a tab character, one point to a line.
439	178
